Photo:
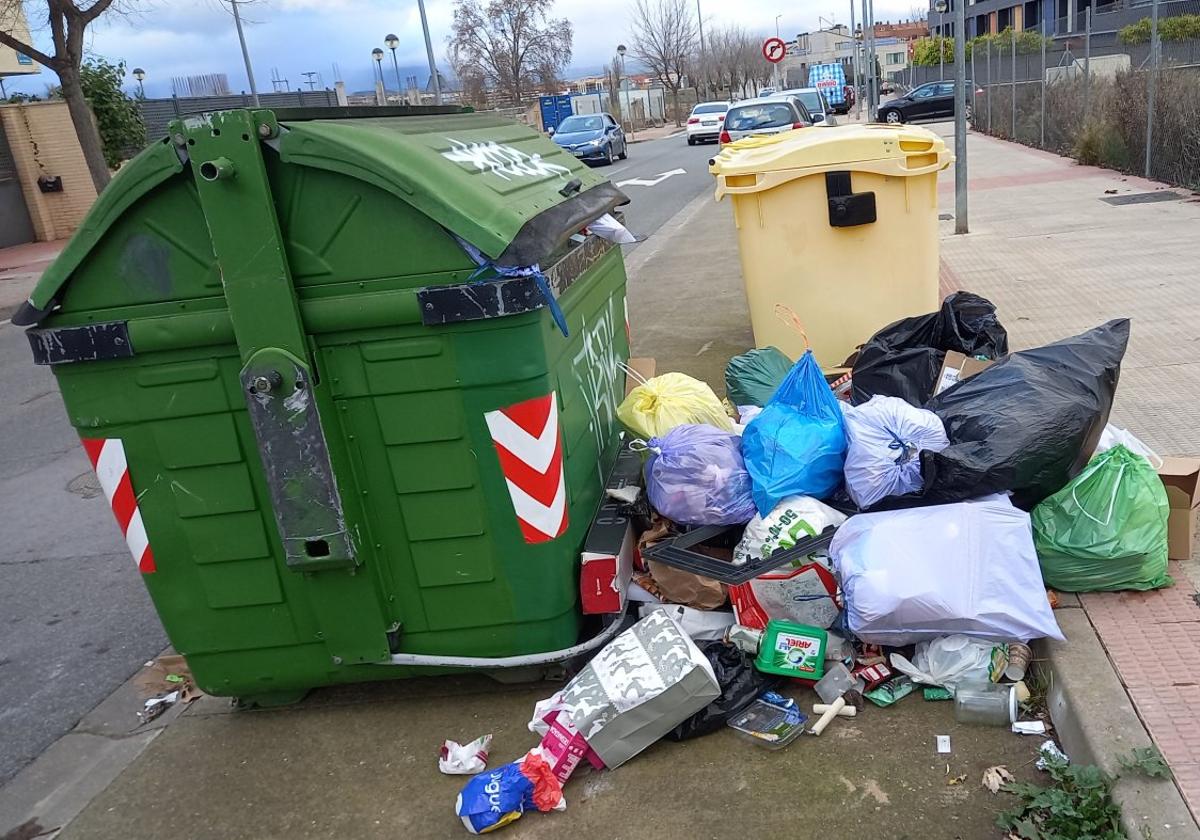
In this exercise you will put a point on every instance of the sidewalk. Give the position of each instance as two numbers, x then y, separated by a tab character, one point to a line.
20	268
359	761
657	133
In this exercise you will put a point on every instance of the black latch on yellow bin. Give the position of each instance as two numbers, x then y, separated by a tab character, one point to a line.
846	207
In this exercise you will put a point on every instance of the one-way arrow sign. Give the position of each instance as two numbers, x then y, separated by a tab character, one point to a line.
650	182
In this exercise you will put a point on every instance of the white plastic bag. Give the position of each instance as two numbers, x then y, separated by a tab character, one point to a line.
885	435
700	625
948	662
793	519
607	227
1114	435
464	759
916	574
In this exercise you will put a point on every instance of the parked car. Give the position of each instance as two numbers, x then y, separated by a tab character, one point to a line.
813	100
705	121
595	137
929	101
765	115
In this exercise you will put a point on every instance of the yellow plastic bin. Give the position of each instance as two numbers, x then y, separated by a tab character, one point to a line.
839	223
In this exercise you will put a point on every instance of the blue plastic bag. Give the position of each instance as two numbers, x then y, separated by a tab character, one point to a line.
797	445
696	476
494	798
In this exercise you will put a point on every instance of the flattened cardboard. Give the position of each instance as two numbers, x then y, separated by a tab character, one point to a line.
1181	478
643	367
956	368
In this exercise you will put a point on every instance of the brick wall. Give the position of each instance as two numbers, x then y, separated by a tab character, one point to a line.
43	142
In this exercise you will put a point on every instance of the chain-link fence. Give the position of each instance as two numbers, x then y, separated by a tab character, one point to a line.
1125	97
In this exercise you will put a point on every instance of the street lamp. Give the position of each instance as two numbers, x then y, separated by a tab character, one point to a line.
392	42
628	106
377	54
140	74
940	7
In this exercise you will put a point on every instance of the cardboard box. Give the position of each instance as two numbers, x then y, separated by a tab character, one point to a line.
608	550
956	368
643	369
1181	478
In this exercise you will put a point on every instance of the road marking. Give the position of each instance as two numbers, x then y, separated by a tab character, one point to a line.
650	182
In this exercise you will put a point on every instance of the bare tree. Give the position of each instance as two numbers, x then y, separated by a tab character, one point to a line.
510	44
664	39
67	20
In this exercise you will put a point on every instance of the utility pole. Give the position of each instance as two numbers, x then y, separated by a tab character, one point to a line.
775	66
237	19
1152	84
308	75
856	64
433	71
960	116
869	49
703	59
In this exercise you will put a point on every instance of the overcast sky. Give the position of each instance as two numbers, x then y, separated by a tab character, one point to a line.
186	37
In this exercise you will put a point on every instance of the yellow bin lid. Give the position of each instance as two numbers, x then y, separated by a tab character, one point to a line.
754	164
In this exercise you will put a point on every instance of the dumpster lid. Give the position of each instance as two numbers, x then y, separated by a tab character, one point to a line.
512	193
828	148
499	185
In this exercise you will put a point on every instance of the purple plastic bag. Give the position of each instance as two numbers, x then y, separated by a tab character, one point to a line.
696	476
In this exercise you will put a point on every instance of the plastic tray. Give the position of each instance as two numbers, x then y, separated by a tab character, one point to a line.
680	554
768	725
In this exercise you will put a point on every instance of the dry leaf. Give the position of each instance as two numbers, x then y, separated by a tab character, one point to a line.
994	777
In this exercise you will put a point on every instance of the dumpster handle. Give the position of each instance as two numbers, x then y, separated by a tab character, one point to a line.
524	660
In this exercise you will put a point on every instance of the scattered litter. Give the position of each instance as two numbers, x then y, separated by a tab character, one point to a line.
740	684
701	625
792	650
985	703
956	780
1050	751
943	744
946	662
628	494
464	759
845	711
933	692
155	706
772	721
607	227
1018	656
832	689
791	519
890	692
996	777
497	797
1029	727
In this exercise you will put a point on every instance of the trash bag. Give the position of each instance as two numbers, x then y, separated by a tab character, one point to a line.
970	568
753	377
740	683
663	402
1029	422
790	521
696	476
1107	529
797	445
885	436
903	359
1113	435
948	661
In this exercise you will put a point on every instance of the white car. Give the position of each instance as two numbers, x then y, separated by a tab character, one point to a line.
765	115
706	121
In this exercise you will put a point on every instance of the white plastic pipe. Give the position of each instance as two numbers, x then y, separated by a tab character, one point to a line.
834	709
845	711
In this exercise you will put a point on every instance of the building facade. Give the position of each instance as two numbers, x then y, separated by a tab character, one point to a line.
1061	18
828	46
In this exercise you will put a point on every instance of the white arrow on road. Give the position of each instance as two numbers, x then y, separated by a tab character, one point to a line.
650	182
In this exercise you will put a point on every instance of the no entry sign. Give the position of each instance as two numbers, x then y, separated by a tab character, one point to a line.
773	50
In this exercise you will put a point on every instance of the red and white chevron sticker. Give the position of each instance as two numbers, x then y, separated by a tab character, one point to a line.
108	460
529	445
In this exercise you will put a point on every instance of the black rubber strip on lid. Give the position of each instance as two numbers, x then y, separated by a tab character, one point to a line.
544	233
87	343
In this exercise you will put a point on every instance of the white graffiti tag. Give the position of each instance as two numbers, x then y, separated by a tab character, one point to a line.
598	369
503	161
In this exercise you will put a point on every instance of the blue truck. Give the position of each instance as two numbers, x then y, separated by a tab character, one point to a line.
830	79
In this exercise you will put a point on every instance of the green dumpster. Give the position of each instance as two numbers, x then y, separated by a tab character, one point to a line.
318	367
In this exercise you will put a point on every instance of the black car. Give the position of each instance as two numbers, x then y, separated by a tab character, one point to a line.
931	101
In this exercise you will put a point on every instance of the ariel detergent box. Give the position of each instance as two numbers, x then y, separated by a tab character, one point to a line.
792	650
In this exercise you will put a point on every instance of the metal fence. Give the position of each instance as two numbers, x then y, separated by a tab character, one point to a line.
1134	107
158	113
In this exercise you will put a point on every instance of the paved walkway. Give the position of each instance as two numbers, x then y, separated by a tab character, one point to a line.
1056	258
20	268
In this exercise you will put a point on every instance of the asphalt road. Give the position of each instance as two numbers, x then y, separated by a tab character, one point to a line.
75	619
650	205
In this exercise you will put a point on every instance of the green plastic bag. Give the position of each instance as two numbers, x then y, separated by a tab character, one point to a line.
1107	529
753	377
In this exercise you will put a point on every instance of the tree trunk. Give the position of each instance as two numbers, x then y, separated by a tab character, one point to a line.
675	100
85	128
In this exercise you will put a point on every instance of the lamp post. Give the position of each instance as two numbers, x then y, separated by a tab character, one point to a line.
392	42
140	75
628	106
775	66
237	20
434	75
377	54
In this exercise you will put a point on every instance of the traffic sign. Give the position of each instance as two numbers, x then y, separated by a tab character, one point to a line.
773	50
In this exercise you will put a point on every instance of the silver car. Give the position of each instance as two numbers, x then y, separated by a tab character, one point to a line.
765	115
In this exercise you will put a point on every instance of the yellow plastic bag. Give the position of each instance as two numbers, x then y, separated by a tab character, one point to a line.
663	402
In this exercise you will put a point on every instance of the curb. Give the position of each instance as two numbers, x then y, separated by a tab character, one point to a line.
1096	722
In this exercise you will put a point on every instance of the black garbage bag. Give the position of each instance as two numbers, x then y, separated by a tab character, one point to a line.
740	684
903	359
1029	422
753	377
